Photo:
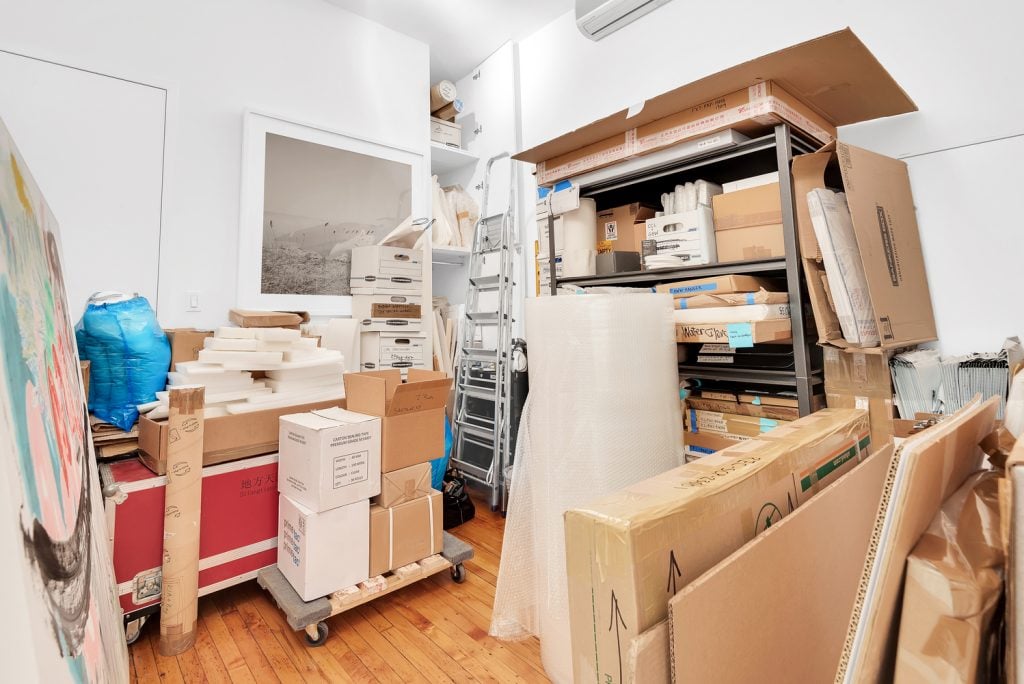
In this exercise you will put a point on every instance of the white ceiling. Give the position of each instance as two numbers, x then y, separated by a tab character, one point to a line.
460	33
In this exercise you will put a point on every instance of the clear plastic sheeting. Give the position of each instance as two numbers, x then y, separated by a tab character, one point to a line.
602	413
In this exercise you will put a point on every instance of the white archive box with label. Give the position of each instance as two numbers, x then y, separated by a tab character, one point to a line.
329	458
690	233
387	350
377	269
387	312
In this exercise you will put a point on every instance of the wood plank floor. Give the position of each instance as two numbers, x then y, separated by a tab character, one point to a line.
432	631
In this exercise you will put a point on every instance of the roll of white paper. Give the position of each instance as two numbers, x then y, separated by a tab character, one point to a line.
579	256
603	413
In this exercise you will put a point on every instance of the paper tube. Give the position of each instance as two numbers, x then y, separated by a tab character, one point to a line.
579	257
180	593
449	111
441	94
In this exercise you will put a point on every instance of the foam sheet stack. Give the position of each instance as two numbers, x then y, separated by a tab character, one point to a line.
387	305
579	439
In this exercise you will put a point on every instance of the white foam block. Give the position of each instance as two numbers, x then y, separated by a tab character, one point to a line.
314	371
230	344
237	395
239	360
296	394
197	368
232	333
293	355
287	345
304	383
277	334
249	407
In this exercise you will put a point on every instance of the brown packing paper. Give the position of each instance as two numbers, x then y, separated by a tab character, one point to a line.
186	343
1012	525
405	533
404	484
953	585
183	497
859	379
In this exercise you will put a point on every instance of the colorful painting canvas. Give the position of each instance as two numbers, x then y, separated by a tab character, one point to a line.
62	550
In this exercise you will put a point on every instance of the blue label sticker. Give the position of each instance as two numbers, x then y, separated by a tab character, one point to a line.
693	421
757	400
767	424
750	298
740	335
700	449
689	289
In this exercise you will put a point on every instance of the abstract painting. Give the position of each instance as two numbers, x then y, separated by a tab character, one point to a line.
62	553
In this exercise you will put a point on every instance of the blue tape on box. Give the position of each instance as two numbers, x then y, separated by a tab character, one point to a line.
543	192
693	421
689	289
563	185
740	335
700	449
757	400
750	298
681	304
768	424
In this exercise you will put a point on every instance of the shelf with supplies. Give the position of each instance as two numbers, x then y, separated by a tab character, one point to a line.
644	180
449	255
445	158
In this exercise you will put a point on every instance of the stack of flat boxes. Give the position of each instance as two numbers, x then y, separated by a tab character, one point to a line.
387	300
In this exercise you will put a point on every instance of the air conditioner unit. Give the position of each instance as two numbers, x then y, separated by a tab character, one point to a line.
597	18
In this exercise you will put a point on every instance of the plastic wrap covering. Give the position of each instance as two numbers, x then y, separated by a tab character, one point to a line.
602	413
953	586
129	356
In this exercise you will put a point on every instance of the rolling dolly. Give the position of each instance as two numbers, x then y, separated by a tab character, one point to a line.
311	616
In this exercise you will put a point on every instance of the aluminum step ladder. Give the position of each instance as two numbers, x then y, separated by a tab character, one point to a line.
483	365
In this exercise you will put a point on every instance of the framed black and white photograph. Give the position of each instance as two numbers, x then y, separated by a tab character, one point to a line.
309	195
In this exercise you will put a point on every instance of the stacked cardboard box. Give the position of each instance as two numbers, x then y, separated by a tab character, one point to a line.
628	553
387	303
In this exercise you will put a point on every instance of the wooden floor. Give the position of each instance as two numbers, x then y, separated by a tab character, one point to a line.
432	631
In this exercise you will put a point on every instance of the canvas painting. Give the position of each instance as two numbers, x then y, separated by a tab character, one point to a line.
318	203
63	554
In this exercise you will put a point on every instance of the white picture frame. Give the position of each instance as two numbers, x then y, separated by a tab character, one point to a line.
256	127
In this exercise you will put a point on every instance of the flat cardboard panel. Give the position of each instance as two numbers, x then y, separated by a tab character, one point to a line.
925	470
835	75
415	396
186	343
411	439
367	392
785	596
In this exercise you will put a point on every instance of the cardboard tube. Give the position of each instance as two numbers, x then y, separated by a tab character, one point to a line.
441	94
449	111
182	501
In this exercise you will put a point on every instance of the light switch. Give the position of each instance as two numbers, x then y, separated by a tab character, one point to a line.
192	301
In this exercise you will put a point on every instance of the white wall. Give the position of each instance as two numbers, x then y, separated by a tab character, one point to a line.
301	59
960	62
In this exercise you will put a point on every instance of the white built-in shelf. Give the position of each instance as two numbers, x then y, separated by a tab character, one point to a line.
444	159
453	256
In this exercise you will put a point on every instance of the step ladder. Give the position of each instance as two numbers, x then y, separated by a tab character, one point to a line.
483	368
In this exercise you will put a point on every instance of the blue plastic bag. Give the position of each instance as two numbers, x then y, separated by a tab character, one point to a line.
129	356
439	465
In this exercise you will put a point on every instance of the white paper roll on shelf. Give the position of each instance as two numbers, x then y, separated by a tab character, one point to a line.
579	253
602	413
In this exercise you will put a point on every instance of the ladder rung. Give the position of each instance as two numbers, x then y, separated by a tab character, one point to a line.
475	430
483	317
478	354
486	283
478	392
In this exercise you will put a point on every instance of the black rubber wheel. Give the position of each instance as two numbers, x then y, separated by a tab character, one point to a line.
321	631
458	573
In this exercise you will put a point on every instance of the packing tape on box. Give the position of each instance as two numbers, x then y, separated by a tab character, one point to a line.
603	414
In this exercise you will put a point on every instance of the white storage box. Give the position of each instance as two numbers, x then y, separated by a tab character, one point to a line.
446	133
320	553
329	458
688	234
387	350
382	270
386	312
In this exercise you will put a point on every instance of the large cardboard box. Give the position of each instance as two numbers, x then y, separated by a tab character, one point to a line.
320	553
405	533
412	413
225	438
727	284
882	209
729	423
186	343
329	458
861	379
617	227
699	444
748	224
736	334
809	70
776	610
627	553
404	484
758	410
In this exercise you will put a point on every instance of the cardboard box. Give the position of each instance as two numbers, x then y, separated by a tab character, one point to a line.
757	410
729	423
445	133
748	224
646	541
882	209
384	350
618	226
727	284
617	262
750	244
225	438
404	484
405	533
735	334
245	318
320	553
751	182
798	579
858	379
705	443
329	458
412	414
387	312
186	343
810	71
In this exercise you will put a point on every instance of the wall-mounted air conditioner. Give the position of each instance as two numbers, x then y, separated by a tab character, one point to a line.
597	18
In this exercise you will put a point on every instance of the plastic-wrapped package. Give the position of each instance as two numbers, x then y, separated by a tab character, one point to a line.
443	233
579	257
952	589
847	281
602	413
466	213
129	356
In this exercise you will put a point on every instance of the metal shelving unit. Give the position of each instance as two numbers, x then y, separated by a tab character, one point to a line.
765	154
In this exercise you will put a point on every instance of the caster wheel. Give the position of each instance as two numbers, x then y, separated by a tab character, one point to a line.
321	635
458	574
133	629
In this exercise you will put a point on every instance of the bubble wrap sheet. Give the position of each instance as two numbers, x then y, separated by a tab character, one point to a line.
602	413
